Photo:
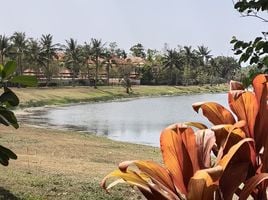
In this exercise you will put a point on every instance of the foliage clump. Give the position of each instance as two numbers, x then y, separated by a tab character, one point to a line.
200	163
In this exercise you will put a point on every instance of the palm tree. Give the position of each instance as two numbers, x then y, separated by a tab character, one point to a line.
73	57
20	46
97	53
213	69
4	47
204	53
86	57
190	61
108	56
33	54
172	60
47	54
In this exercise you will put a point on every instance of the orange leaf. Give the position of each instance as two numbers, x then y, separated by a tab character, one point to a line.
204	183
129	176
260	84
215	112
179	153
251	184
235	85
205	140
152	170
244	105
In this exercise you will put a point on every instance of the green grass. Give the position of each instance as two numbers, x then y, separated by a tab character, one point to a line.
36	97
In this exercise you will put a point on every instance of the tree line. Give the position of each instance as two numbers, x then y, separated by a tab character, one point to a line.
97	62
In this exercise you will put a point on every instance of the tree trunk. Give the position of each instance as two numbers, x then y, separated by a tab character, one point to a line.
2	59
48	74
97	72
88	74
108	74
73	77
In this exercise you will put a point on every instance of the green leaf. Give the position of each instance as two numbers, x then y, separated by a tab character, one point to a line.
260	45
1	69
9	117
257	39
8	152
9	97
9	69
3	159
265	60
25	80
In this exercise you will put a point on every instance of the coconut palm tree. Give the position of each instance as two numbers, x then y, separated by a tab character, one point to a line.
87	57
190	61
4	48
204	53
19	43
33	54
73	57
172	60
47	54
109	61
97	53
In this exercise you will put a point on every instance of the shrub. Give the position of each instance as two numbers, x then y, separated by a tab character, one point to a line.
202	163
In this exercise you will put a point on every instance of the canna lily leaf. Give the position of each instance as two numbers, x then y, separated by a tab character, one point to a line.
204	183
196	125
235	85
251	184
130	177
149	189
152	170
179	153
235	164
244	105
215	112
205	140
260	84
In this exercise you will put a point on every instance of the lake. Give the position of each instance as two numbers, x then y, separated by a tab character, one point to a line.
136	121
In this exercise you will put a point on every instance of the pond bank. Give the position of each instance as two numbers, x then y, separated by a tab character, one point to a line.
55	164
37	97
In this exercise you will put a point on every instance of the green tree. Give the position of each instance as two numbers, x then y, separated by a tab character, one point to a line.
172	60
227	67
108	62
86	57
204	53
138	50
73	57
33	54
256	50
19	43
8	100
190	62
97	53
4	48
47	54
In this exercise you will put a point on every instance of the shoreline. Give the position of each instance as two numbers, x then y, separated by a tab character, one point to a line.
59	164
50	97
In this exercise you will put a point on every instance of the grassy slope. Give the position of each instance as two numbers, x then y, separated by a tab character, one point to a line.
53	96
67	165
64	165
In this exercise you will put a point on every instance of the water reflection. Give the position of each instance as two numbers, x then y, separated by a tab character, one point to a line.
137	121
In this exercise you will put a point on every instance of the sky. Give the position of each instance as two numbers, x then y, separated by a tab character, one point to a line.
150	22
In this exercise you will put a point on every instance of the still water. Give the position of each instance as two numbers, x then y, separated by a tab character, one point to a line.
137	121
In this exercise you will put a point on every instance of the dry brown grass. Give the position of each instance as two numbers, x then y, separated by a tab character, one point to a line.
62	165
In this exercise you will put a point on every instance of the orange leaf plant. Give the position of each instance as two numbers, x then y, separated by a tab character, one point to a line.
202	164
